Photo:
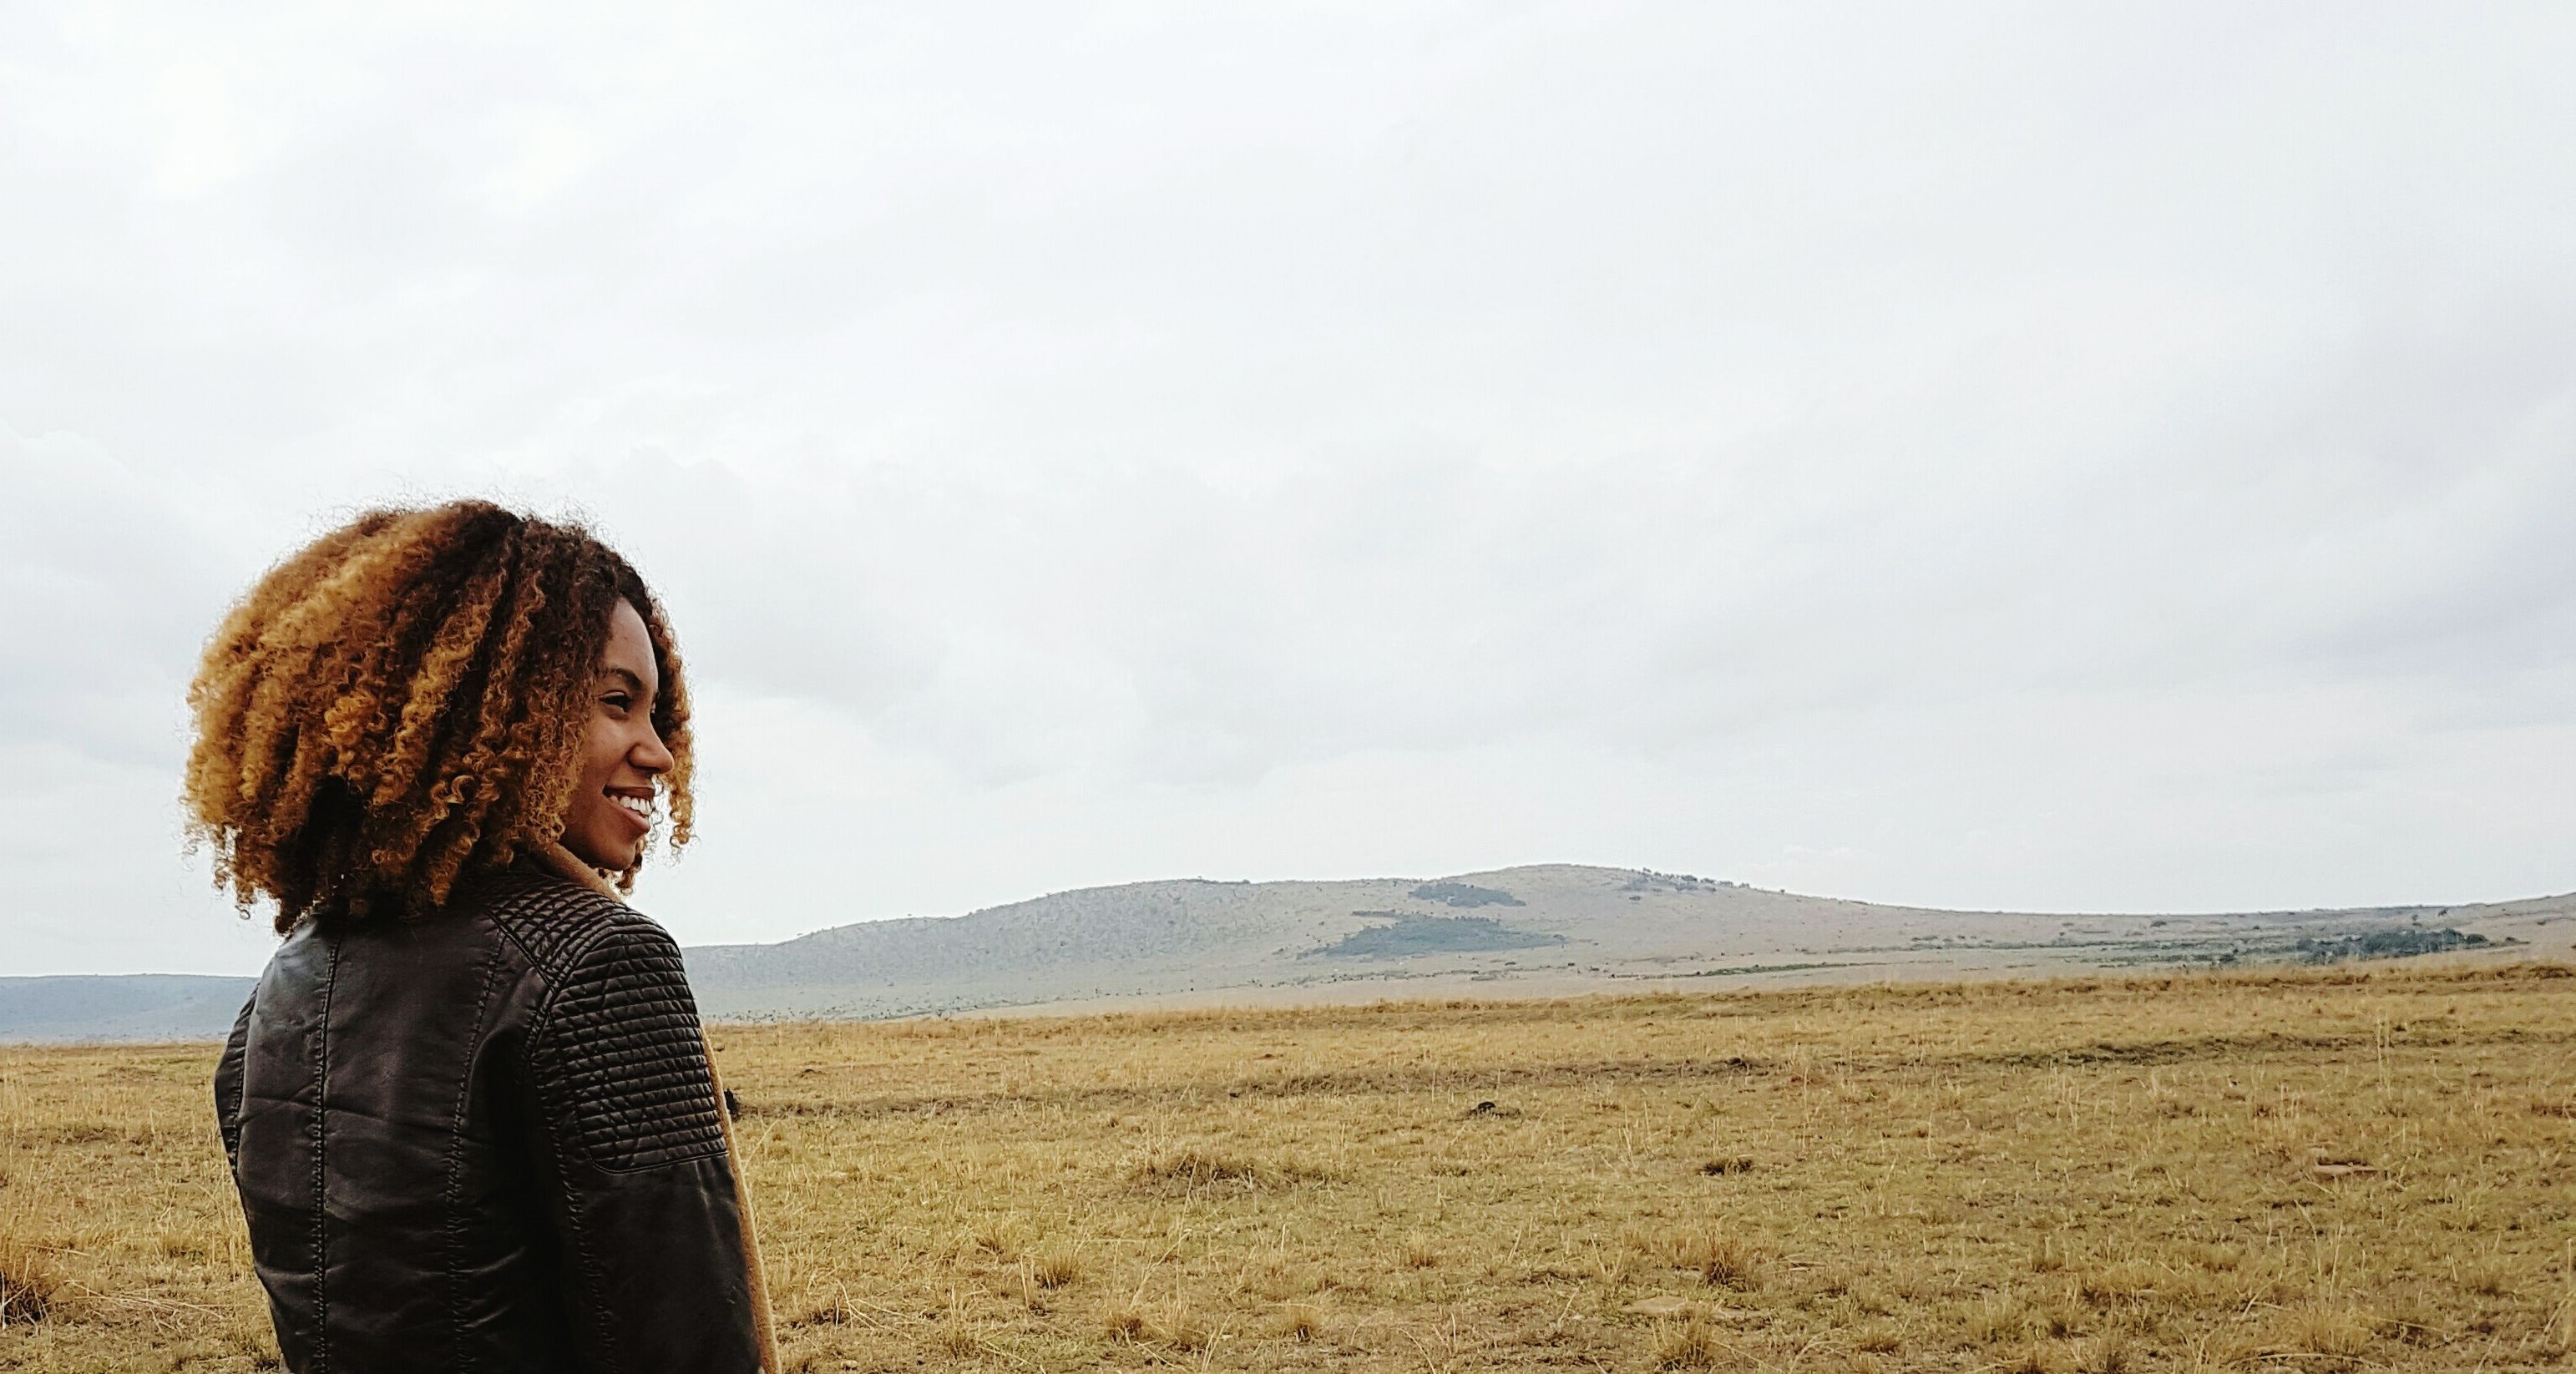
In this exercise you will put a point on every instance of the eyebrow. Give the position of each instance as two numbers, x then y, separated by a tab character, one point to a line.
633	683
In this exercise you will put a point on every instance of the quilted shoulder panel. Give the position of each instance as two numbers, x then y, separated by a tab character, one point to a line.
618	1051
549	917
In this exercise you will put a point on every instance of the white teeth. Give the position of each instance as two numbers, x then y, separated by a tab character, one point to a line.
643	809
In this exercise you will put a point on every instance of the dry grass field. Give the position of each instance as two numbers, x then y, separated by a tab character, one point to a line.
2302	1171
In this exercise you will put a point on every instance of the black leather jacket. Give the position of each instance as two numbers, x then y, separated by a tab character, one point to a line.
487	1140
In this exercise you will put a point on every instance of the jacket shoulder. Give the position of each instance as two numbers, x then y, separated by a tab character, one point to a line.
553	920
616	1040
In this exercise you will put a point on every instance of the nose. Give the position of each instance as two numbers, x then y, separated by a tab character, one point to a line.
649	753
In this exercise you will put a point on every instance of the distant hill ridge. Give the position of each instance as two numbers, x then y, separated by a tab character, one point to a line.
1538	930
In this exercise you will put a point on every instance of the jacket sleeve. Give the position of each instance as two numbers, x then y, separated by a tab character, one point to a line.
228	1084
624	1105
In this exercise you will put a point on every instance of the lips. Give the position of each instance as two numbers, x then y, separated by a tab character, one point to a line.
637	808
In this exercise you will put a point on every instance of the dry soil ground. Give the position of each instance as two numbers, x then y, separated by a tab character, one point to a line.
2299	1172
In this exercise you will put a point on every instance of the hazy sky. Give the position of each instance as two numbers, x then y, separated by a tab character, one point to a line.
2039	456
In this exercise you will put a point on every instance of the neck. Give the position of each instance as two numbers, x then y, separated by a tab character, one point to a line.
570	865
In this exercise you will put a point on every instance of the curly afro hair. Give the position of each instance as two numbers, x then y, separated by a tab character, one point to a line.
402	703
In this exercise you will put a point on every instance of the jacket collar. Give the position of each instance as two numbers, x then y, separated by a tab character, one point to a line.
564	863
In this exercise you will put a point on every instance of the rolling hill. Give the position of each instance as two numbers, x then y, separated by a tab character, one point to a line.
1541	930
1536	930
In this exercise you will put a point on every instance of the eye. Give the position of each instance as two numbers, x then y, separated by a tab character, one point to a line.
619	702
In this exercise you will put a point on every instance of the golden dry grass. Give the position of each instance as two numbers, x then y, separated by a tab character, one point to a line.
2311	1171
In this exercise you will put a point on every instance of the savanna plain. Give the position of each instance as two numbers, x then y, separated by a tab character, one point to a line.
2344	1168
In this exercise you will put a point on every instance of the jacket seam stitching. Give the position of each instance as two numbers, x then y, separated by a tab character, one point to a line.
455	1153
241	1088
321	1175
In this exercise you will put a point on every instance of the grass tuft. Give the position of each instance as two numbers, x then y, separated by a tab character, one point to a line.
2337	1337
1198	1169
1998	1319
2128	1281
957	1334
27	1287
1727	1261
1686	1344
1053	1268
1180	1325
2109	1355
1302	1322
1124	1322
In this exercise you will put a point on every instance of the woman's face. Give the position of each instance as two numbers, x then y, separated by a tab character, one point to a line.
621	756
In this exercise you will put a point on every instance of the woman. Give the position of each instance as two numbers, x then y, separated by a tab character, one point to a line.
469	1108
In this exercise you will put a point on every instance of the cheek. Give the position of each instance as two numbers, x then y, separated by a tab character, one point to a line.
601	747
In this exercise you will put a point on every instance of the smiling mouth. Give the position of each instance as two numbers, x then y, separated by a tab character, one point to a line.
641	808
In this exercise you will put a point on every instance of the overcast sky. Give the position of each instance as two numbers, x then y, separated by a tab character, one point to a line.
2044	456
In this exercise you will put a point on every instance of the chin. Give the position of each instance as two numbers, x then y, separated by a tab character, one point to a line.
612	858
